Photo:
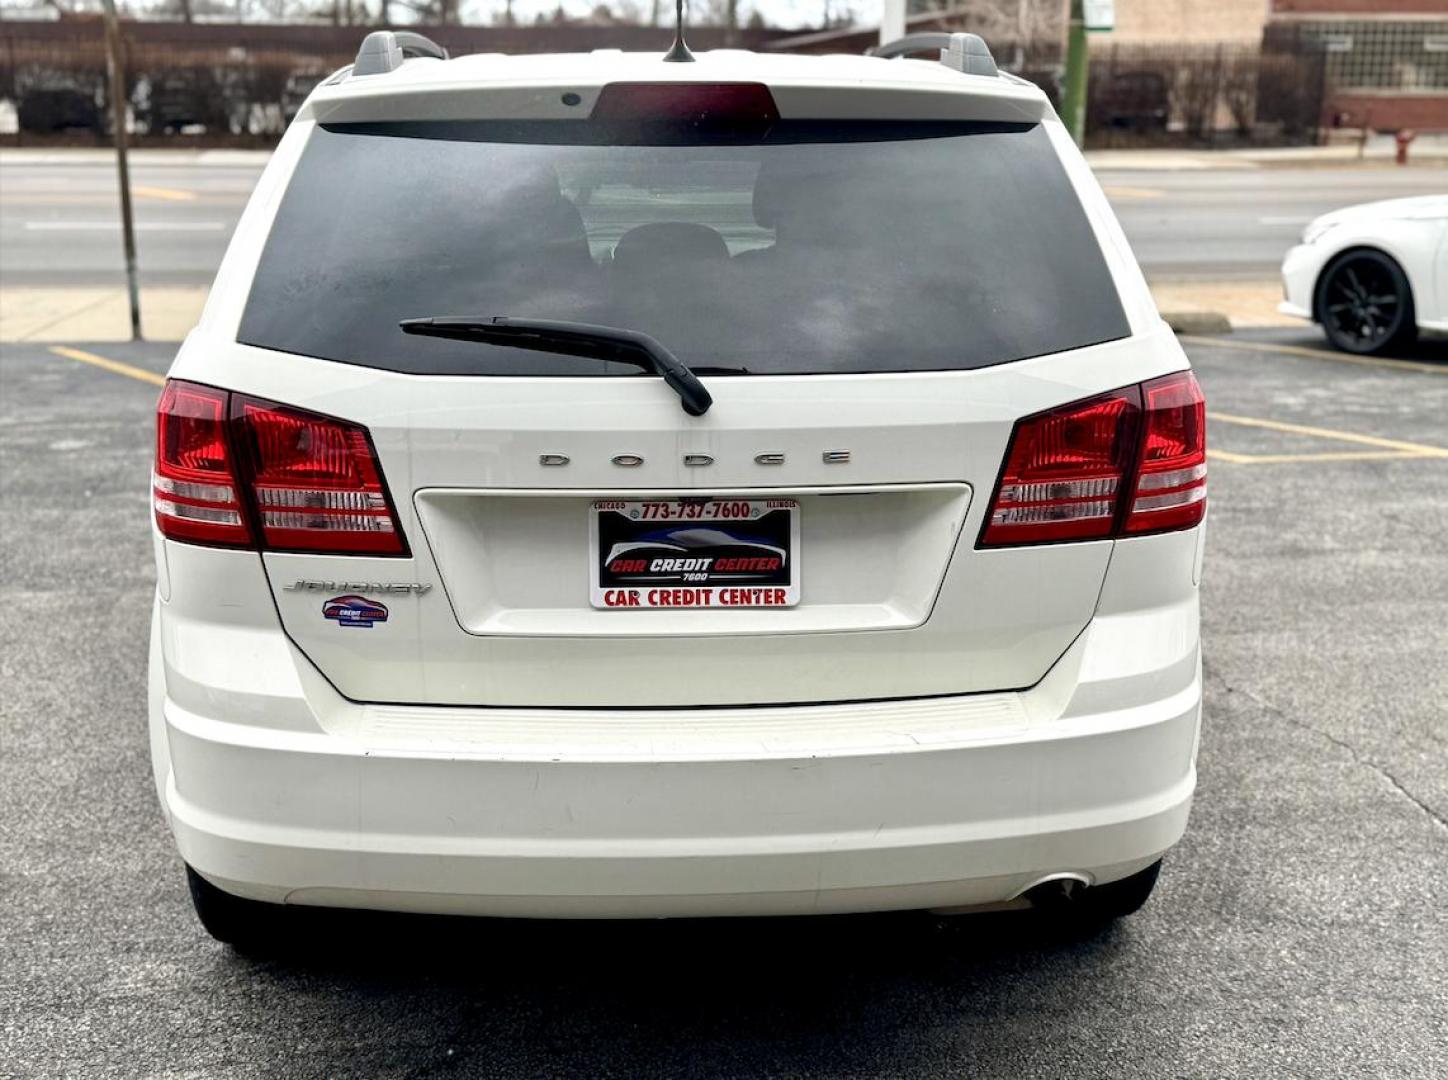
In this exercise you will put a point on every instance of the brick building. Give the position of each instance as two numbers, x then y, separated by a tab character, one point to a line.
1189	22
1386	61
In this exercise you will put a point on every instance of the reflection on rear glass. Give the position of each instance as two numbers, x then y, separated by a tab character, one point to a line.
824	248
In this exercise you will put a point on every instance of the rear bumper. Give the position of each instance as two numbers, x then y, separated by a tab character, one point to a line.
279	789
957	825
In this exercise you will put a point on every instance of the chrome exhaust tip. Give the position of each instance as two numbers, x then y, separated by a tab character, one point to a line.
1055	889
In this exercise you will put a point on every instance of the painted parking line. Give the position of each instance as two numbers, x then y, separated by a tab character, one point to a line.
1407	448
1233	458
1314	354
1116	191
1386	448
116	366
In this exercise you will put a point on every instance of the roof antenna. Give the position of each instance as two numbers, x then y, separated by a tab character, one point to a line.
679	53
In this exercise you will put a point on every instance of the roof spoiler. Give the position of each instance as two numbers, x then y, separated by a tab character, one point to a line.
385	50
966	53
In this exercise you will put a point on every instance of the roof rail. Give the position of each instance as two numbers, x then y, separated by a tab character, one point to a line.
966	53
385	50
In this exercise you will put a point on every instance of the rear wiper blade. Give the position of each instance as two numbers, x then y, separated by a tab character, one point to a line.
572	339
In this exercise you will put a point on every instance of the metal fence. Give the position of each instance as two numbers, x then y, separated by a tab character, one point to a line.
1204	95
236	85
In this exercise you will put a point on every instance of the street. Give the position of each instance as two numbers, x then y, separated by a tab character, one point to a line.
59	223
1299	929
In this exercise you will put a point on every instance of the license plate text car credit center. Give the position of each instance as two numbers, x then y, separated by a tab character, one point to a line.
694	553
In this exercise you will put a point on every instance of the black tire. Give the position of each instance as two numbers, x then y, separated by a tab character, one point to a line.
247	925
1364	303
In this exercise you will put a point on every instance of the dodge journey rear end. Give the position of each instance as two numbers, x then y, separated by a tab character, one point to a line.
607	487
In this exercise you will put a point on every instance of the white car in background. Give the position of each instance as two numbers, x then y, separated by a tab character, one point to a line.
607	487
1372	275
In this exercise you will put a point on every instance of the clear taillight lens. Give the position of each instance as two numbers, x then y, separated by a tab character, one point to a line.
194	490
239	472
1171	477
1130	462
1064	471
315	481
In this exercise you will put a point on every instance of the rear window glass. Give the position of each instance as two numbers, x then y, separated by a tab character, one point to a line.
818	247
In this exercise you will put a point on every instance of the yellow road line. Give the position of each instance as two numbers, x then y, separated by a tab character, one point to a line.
116	366
1114	191
1229	457
94	198
169	194
1315	354
1393	448
1416	449
1343	455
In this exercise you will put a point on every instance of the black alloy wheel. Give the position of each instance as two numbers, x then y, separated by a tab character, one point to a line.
1364	303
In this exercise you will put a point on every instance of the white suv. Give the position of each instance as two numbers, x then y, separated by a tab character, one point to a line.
607	487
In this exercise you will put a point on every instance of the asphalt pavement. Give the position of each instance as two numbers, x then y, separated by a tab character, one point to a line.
1299	930
1237	224
59	224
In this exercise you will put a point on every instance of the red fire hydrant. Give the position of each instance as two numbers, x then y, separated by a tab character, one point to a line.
1404	136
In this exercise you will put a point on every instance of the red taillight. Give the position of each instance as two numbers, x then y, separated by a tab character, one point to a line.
228	464
1171	477
1064	471
1069	471
314	481
194	490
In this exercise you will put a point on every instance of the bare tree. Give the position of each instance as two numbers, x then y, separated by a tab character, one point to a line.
431	12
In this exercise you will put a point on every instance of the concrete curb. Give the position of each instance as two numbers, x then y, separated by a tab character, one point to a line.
1197	322
96	313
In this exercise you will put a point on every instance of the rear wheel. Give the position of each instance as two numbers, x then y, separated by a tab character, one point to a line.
234	920
1364	303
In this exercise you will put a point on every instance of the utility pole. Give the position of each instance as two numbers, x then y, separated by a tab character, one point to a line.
1023	33
892	21
115	64
1073	99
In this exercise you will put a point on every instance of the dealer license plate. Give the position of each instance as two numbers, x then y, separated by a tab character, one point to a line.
694	553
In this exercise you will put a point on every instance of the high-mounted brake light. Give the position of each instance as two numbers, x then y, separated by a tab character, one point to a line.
733	105
1126	463
194	489
235	471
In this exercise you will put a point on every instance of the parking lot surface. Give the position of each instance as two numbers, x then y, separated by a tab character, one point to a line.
1300	929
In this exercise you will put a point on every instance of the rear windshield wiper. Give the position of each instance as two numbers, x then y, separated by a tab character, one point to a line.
573	339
